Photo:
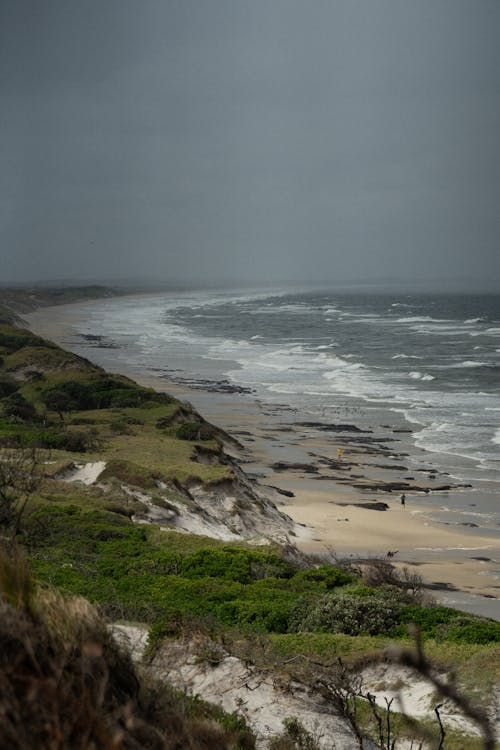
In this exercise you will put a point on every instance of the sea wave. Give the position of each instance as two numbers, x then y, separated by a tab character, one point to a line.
423	319
415	375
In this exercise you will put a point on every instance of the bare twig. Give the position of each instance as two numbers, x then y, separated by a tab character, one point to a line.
415	659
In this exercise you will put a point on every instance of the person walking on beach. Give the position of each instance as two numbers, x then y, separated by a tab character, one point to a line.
339	453
403	500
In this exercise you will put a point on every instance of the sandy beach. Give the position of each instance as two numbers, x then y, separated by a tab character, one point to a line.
330	495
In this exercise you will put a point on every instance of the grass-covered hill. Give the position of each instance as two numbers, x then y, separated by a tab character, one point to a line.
162	464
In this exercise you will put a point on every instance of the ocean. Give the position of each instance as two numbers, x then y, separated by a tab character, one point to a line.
431	361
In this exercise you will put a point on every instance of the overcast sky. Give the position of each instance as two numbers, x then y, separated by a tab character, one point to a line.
250	140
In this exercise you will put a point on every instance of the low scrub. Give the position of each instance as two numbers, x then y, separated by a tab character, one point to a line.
12	339
344	613
65	683
130	473
99	393
194	431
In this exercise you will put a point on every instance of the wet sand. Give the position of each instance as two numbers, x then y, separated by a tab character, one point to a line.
329	489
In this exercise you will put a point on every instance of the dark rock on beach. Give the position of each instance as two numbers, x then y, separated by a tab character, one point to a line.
286	493
375	505
284	466
332	427
99	342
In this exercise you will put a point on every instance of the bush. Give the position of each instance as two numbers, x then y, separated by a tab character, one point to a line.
343	613
294	737
234	565
7	385
100	393
194	431
258	610
74	441
130	473
470	630
326	576
13	339
427	619
16	406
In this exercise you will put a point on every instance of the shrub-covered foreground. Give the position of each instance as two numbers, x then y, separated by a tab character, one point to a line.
65	684
136	572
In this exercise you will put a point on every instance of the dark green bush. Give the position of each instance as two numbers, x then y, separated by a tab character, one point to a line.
427	619
266	611
446	624
229	564
75	441
327	576
7	385
470	630
17	407
130	473
99	393
14	339
194	431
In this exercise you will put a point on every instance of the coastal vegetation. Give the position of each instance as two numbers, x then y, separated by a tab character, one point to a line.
267	604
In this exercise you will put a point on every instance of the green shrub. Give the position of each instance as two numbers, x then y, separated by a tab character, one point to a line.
343	613
327	576
258	610
229	564
99	393
427	619
13	339
294	737
74	441
7	385
16	406
194	431
463	629
130	473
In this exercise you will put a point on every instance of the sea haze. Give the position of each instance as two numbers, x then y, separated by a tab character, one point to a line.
434	359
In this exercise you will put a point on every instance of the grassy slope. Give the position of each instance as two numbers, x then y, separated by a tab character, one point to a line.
81	538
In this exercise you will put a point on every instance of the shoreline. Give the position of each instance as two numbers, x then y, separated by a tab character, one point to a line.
457	565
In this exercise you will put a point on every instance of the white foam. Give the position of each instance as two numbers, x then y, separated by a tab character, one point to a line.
471	363
415	375
405	356
496	437
423	319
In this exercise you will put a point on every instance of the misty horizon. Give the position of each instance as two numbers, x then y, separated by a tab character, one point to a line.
232	143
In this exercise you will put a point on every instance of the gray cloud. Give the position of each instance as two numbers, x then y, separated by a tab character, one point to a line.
250	140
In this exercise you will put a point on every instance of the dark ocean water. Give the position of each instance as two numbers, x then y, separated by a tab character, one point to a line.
432	359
